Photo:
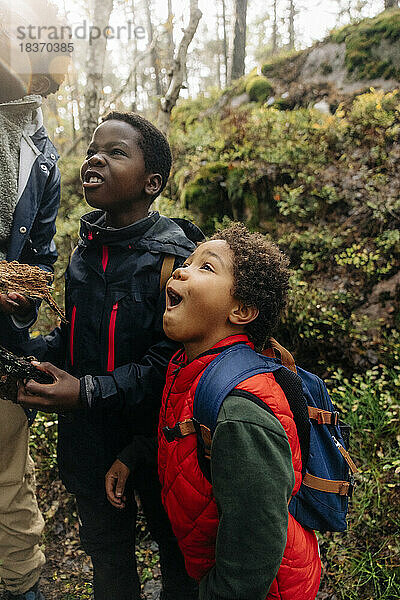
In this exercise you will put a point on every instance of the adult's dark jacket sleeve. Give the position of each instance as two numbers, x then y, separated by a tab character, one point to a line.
40	251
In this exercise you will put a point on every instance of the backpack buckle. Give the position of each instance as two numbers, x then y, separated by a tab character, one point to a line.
335	418
172	433
180	430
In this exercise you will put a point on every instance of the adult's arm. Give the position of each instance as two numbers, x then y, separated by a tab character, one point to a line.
43	252
253	478
40	250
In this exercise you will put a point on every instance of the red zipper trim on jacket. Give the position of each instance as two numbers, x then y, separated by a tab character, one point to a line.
111	338
71	335
104	260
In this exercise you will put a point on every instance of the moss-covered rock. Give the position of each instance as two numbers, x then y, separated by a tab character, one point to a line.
316	183
285	65
205	195
367	55
259	88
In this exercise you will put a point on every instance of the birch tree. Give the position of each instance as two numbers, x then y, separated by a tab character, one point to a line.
99	17
153	53
292	14
177	74
274	39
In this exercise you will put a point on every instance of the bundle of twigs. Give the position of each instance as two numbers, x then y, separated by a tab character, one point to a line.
17	368
30	281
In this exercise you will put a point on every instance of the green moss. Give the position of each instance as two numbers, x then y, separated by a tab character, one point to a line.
259	88
283	104
326	68
205	195
187	111
362	45
273	66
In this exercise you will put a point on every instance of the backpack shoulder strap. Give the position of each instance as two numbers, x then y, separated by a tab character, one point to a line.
235	365
225	372
167	268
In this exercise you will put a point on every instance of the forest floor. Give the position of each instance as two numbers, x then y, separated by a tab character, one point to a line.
67	574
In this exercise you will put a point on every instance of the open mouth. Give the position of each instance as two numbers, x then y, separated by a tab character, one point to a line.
173	298
92	179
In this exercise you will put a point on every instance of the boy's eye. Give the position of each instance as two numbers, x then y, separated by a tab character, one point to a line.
207	267
118	151
89	153
184	265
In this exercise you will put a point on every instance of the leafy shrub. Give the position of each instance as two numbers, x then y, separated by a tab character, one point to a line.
363	563
205	196
375	110
371	262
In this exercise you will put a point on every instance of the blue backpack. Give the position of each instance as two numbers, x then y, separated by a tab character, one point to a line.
322	500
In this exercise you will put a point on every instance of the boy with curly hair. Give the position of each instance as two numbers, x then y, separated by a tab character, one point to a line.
234	529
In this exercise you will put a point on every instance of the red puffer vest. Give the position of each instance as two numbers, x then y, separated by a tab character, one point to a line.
188	497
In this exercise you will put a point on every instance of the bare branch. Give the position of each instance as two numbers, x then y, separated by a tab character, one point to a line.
169	100
124	87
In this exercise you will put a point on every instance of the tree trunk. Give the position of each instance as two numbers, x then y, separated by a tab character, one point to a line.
291	24
153	54
239	41
99	13
275	29
170	35
225	42
391	4
134	69
218	55
168	101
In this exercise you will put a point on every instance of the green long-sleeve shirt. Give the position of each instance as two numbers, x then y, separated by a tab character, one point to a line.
253	477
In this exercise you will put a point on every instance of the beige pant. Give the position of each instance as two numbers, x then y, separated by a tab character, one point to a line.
21	523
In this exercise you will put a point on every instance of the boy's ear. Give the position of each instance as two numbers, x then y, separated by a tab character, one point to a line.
243	315
153	184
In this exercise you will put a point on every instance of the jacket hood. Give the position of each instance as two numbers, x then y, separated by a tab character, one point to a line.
154	233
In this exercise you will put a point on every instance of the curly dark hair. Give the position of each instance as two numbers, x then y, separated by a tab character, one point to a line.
261	276
154	145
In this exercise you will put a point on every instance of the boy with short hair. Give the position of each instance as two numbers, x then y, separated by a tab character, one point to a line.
30	196
113	351
234	529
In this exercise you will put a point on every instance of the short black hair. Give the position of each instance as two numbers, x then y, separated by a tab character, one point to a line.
261	278
154	145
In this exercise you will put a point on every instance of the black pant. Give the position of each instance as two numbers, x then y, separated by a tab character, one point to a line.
108	536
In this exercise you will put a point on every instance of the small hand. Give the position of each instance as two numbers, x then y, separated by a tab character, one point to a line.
60	396
115	483
15	304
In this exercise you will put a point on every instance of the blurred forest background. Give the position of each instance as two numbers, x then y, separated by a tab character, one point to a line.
300	139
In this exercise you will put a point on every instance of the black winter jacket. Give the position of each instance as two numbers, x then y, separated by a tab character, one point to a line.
113	341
